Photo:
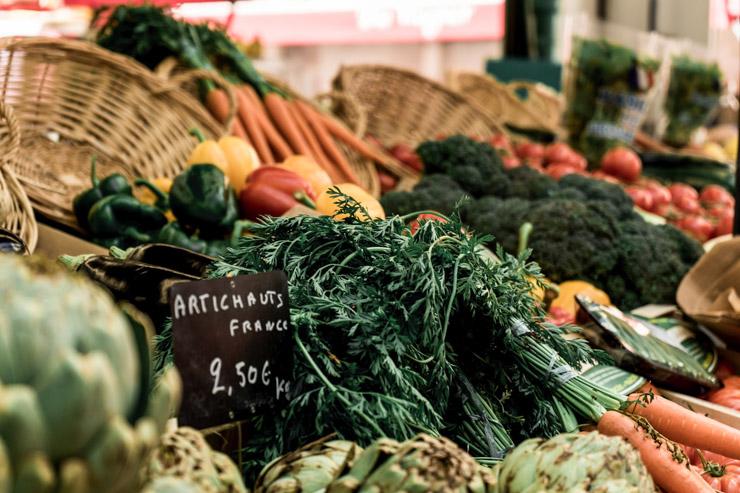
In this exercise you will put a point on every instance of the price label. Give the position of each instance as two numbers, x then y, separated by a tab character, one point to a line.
232	346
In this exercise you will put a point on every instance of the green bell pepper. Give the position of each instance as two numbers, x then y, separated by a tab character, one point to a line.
123	216
200	199
173	234
110	185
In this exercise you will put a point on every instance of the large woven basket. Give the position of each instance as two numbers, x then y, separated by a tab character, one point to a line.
16	214
74	100
540	109
402	106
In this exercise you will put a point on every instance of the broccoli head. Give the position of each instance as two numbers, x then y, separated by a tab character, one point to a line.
433	192
528	183
501	218
476	166
601	190
652	261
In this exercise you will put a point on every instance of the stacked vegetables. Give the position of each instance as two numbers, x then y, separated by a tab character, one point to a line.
276	125
583	228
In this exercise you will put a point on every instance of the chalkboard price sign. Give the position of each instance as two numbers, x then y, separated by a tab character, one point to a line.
232	346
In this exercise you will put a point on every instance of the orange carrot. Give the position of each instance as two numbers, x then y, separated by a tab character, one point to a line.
342	133
278	110
316	152
237	130
217	103
689	428
276	141
670	475
343	171
248	117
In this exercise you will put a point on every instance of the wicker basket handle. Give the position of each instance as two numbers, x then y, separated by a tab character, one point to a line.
183	78
353	106
12	147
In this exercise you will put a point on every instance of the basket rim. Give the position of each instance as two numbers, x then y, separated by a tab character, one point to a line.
346	71
124	63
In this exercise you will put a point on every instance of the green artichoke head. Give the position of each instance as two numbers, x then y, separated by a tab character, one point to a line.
69	380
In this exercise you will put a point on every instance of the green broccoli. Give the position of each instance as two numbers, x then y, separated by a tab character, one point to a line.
499	217
594	190
476	166
434	192
652	261
528	183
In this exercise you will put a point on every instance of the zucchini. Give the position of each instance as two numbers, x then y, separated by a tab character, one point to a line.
693	170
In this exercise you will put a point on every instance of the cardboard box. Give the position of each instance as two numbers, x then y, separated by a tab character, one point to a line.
54	242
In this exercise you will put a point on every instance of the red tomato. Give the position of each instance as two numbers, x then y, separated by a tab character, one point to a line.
661	194
724	225
416	223
642	197
715	194
679	190
499	141
530	150
559	170
623	163
408	156
687	204
576	160
600	175
558	152
730	483
696	226
560	316
387	181
511	162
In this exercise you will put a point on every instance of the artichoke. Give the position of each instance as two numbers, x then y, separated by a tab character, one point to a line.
184	462
76	414
422	464
574	463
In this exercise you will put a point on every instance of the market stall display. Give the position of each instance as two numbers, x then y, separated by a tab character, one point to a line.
394	287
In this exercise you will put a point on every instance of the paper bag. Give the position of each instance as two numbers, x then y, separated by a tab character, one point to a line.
710	291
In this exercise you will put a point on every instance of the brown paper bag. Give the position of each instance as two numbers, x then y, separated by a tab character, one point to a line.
710	291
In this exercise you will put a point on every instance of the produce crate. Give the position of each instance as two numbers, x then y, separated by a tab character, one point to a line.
16	213
74	100
404	107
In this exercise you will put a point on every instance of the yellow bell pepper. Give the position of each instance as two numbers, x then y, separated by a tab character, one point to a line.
568	291
309	170
325	203
241	158
208	152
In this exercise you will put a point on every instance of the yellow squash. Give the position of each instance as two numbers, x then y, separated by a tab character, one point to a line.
325	203
241	158
568	291
309	170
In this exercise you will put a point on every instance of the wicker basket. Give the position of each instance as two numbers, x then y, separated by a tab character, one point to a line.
541	110
74	100
16	213
402	106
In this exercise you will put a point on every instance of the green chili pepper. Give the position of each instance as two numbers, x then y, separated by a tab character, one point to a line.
200	199
173	234
123	216
85	200
163	201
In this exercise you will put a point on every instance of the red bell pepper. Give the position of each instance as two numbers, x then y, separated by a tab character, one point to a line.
273	191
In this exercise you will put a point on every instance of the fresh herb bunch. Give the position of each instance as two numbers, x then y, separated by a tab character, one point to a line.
397	334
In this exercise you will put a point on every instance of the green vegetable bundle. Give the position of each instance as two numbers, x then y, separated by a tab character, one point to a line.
398	333
606	93
693	92
76	410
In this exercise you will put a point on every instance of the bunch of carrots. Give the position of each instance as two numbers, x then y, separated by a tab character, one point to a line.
660	430
278	127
